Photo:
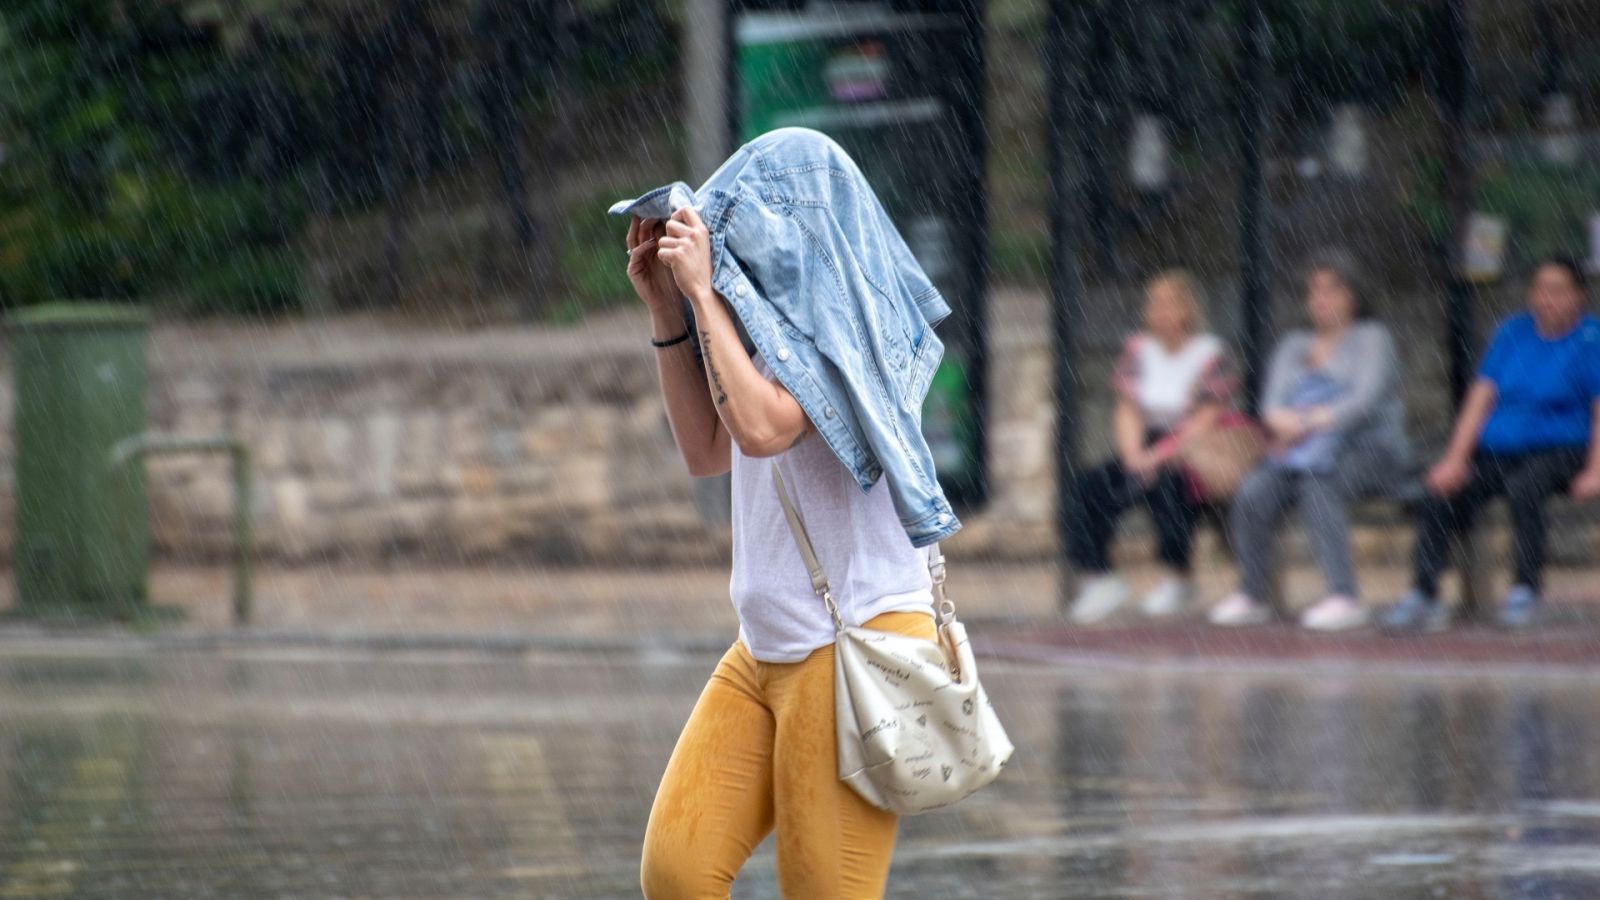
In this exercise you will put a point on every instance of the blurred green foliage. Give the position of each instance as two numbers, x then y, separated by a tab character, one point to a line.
592	255
175	150
1546	206
103	192
1019	255
1356	50
178	149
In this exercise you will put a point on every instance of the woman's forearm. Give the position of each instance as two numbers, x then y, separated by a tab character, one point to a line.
1203	419
694	422
1469	423
758	414
1128	431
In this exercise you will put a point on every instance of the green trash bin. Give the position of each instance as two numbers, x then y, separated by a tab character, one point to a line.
82	526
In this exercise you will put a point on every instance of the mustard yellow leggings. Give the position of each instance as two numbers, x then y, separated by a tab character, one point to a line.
759	753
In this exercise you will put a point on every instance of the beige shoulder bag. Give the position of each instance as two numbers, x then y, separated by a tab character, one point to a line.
916	730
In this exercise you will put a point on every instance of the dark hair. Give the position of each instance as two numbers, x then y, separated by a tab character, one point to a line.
1342	263
1567	263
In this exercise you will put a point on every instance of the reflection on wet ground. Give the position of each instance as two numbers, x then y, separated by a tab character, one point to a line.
275	772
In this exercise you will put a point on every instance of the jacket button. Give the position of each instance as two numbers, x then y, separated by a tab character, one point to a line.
783	354
944	518
741	290
828	412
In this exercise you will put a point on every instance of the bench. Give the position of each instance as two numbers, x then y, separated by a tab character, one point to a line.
1469	553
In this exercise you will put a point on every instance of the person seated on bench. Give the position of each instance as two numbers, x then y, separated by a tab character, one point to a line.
1171	374
1527	430
1336	423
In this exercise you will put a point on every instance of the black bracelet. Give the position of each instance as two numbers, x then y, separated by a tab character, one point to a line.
677	340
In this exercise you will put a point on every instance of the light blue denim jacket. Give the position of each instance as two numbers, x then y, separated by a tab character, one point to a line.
804	253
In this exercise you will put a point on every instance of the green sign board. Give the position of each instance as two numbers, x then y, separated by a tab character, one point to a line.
877	82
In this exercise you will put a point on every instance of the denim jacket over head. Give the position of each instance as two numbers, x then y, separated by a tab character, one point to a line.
829	293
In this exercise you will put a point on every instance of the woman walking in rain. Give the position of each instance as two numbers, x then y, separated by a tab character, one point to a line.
841	317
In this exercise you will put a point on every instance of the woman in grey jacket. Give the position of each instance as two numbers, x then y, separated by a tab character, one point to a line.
1333	410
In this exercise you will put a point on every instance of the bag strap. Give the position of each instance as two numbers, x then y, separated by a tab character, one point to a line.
819	578
945	611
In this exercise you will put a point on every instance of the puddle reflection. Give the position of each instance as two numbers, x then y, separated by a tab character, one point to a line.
202	775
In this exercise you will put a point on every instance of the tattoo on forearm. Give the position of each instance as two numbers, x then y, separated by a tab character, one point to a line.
711	367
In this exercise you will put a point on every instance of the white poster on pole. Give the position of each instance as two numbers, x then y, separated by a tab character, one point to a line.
1485	256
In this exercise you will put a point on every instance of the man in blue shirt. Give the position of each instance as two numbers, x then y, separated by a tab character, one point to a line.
1526	431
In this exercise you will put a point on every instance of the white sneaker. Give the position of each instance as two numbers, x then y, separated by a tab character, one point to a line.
1238	611
1336	613
1170	597
1098	599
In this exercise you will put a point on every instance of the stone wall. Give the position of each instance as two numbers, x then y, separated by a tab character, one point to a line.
375	442
372	442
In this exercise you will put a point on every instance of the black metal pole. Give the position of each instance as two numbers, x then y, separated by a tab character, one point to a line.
1455	97
731	11
1254	226
969	111
1550	55
1069	24
1454	84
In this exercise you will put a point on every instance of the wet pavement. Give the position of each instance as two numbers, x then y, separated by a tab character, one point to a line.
141	770
1562	639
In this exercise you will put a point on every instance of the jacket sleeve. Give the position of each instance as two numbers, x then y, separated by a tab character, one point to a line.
887	403
898	446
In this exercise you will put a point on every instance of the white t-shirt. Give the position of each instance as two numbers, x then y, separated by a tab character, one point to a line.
1167	384
863	549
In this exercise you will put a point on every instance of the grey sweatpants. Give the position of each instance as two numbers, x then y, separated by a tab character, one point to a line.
1323	499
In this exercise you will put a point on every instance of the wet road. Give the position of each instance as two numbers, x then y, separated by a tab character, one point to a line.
275	772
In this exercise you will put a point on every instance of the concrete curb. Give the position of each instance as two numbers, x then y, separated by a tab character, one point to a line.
1004	648
510	643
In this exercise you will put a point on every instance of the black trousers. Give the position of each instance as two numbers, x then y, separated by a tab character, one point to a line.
1105	493
1525	480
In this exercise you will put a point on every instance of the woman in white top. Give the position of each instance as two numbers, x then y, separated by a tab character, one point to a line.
1173	382
758	753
